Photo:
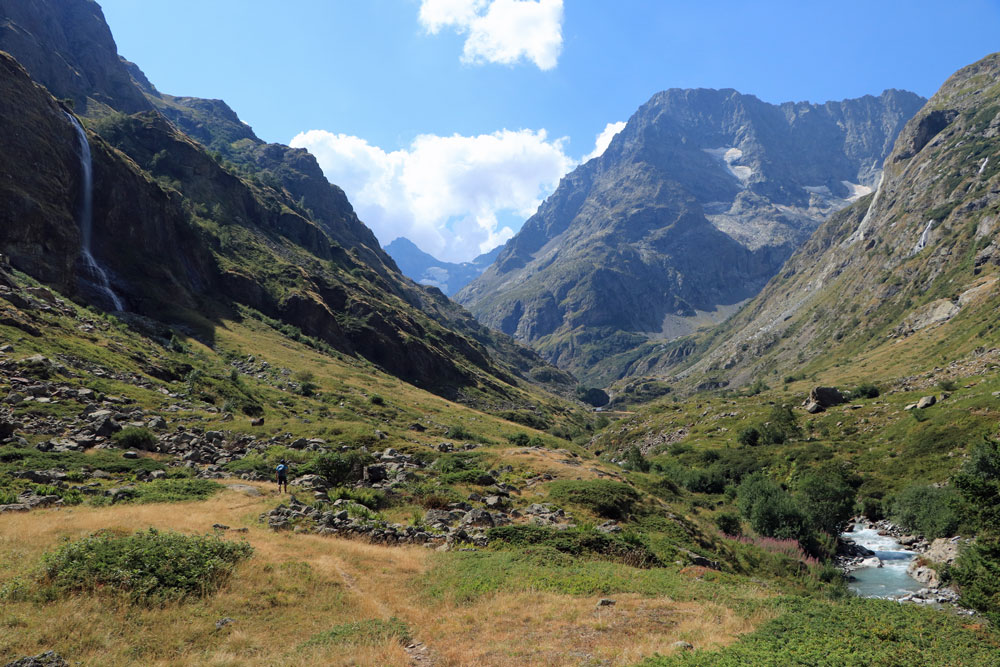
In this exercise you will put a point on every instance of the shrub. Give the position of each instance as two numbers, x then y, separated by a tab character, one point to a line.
625	549
377	400
342	468
519	439
947	385
770	510
749	437
827	497
930	511
866	390
147	567
634	460
611	500
977	573
979	483
133	437
729	524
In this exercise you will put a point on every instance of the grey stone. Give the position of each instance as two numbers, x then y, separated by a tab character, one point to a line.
47	659
926	402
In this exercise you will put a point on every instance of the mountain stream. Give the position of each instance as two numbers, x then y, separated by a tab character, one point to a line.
889	581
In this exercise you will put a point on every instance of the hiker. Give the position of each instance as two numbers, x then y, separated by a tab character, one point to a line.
281	473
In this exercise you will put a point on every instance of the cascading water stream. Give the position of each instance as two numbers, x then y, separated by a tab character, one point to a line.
93	270
891	580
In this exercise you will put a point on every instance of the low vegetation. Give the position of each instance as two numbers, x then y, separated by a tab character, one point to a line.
147	567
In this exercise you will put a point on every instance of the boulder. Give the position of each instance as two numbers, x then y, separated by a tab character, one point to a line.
944	550
826	397
812	407
924	574
926	402
871	561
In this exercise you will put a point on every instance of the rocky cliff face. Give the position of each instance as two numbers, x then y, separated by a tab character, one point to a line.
188	235
67	46
690	211
916	261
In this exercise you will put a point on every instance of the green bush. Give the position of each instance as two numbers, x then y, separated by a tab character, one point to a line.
342	468
749	437
979	483
611	500
729	523
930	511
770	510
627	549
865	390
145	567
977	573
827	497
634	460
133	437
519	439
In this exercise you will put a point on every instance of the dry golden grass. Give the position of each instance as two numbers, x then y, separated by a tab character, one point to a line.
299	585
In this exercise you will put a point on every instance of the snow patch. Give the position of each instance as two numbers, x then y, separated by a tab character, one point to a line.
727	155
982	167
856	190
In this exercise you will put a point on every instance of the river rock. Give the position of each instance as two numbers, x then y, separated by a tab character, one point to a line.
944	550
924	574
871	561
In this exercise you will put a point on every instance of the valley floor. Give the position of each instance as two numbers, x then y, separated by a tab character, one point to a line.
297	587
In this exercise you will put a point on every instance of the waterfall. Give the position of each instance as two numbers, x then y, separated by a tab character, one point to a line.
92	270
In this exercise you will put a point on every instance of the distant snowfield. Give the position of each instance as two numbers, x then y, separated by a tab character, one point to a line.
727	155
856	191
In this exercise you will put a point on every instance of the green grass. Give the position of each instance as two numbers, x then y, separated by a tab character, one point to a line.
464	577
369	632
853	633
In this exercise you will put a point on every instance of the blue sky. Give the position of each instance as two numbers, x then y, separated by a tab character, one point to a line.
447	121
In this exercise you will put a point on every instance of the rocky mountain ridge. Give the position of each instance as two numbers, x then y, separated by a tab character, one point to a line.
914	264
688	213
449	277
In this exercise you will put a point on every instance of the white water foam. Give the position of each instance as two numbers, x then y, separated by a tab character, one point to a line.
889	581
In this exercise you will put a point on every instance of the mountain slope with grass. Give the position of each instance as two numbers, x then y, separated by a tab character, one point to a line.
694	206
263	229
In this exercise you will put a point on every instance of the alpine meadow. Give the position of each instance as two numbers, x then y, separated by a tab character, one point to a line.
439	386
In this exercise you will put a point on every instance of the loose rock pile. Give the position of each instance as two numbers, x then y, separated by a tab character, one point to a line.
462	524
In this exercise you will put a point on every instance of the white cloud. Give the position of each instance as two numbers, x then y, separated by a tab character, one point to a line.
604	140
443	193
500	31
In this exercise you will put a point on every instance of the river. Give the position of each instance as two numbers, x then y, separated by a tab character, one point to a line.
889	581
